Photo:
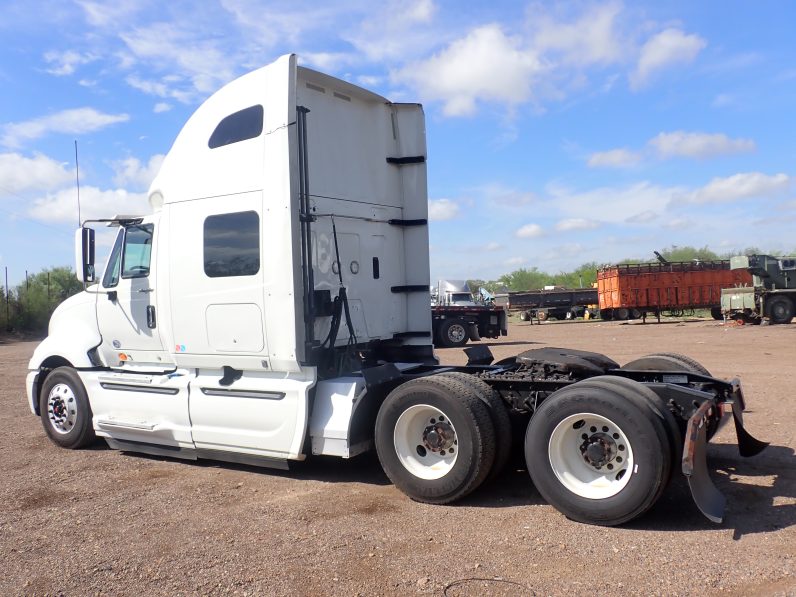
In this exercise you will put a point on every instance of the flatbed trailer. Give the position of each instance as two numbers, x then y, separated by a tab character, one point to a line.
556	303
631	291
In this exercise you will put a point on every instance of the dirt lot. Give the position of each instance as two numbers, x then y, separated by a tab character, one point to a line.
103	522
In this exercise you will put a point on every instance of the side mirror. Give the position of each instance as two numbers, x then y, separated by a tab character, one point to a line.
84	255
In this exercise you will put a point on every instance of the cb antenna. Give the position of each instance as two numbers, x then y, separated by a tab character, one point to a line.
77	178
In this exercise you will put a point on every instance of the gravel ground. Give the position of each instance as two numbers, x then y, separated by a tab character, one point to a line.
102	522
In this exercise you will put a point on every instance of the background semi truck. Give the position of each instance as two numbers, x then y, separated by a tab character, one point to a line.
457	316
772	293
274	304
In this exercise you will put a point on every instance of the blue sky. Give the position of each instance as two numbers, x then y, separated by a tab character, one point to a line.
558	133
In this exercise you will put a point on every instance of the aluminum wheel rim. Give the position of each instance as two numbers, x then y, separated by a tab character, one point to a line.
415	445
456	333
571	464
62	408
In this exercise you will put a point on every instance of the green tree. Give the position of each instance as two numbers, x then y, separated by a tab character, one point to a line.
39	295
526	279
675	253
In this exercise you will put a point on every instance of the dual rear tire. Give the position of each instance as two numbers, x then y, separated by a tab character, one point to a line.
601	451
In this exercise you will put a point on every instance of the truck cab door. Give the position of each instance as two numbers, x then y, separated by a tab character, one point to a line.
126	314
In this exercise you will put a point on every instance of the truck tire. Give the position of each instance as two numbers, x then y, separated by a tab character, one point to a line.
597	454
453	333
65	409
621	314
636	314
627	387
780	310
525	316
497	412
673	361
606	314
715	313
542	315
435	439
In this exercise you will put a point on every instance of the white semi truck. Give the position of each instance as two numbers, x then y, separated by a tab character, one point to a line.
274	304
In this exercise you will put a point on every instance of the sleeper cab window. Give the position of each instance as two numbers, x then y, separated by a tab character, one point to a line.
239	126
232	244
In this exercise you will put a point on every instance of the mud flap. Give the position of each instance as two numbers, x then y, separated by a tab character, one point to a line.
707	497
747	444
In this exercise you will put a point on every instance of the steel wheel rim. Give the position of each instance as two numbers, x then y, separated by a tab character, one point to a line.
425	442
62	408
456	332
595	479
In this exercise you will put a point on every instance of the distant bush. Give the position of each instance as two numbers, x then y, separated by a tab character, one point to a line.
31	303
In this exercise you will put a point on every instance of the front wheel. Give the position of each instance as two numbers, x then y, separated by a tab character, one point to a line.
65	410
596	455
435	439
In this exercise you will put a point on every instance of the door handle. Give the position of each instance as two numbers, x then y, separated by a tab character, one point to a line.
145	290
151	322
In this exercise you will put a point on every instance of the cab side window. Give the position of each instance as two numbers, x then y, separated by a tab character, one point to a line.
137	251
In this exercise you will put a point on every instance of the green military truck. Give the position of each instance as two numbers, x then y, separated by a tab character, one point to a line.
772	295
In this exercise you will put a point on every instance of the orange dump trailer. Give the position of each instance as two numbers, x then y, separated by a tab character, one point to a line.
632	290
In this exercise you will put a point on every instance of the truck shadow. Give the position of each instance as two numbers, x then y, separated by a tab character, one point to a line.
760	494
760	491
514	343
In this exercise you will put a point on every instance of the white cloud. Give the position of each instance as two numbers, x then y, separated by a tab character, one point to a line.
512	261
576	224
202	64
592	38
698	145
614	158
745	185
492	247
19	174
65	63
645	217
131	172
484	66
61	206
102	14
442	209
396	32
77	121
161	107
668	48
507	197
327	61
610	204
529	231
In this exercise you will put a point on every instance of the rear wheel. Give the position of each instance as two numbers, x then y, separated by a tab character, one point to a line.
453	333
435	439
65	410
780	310
673	361
497	412
542	315
715	313
597	454
606	314
621	314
